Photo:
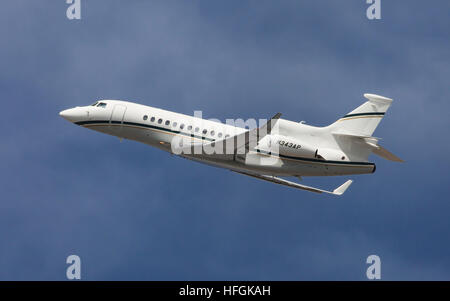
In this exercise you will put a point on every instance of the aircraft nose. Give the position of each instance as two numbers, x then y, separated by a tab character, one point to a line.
65	113
74	114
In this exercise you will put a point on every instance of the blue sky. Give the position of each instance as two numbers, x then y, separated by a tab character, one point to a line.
136	213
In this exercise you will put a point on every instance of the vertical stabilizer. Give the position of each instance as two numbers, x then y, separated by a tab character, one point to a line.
363	120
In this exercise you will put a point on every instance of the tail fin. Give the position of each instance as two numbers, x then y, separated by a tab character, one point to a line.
363	120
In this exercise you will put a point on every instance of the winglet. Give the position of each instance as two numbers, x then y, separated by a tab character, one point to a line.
341	189
338	191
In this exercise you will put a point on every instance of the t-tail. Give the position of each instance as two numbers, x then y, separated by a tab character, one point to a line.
354	131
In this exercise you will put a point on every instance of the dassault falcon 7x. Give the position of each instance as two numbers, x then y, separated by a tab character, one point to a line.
275	149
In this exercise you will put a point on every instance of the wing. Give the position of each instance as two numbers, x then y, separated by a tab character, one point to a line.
338	191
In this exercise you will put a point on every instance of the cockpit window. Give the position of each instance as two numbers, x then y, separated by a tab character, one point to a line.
94	104
101	105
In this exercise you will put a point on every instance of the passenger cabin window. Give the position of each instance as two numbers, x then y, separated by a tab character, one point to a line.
219	135
101	105
167	122
145	117
174	124
152	119
212	133
197	129
182	126
159	120
189	127
204	132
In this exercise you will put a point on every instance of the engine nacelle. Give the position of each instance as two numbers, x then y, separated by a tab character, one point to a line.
332	154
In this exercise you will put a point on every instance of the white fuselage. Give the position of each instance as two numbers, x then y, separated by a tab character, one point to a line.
158	128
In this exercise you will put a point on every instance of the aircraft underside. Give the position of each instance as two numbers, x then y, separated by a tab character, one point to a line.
254	161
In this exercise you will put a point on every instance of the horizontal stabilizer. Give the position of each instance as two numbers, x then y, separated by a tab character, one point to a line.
354	136
384	153
338	191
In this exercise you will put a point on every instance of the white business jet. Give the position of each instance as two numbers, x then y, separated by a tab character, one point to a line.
278	148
